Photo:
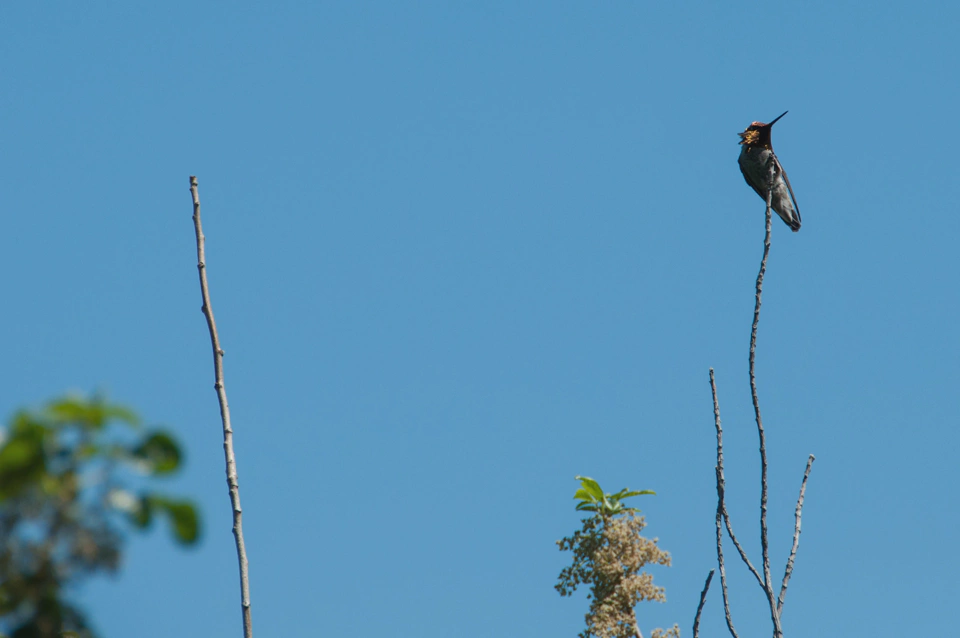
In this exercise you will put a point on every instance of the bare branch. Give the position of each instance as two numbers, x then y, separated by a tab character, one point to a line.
796	535
720	508
723	577
722	484
736	543
756	401
764	544
703	599
231	463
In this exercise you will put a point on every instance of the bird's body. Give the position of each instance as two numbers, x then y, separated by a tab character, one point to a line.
761	169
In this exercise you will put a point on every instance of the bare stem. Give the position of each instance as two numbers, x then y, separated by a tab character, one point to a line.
721	508
231	463
722	483
796	535
736	543
703	599
764	544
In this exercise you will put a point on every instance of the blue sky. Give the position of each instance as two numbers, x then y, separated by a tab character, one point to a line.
462	252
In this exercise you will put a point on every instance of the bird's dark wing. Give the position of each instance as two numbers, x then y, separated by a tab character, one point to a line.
789	187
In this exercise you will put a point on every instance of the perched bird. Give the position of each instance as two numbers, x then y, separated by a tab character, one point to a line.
757	162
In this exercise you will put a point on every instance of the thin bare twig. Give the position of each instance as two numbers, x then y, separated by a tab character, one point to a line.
231	463
736	543
723	576
796	535
703	599
764	544
721	507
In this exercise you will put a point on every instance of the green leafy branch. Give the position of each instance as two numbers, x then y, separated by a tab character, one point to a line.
593	499
70	474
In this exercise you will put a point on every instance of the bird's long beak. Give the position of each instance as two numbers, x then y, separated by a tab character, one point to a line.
777	118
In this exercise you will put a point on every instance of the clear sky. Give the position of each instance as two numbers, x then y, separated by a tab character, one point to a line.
462	252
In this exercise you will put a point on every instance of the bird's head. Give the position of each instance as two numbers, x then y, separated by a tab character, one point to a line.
758	133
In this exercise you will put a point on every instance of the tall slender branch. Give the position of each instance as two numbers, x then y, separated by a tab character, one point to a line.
721	507
703	599
233	486
764	544
796	535
756	401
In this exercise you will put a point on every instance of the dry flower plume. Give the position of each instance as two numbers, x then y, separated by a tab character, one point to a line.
609	555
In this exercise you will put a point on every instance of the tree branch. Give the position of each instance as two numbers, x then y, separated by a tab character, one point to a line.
703	599
721	508
229	458
796	535
764	544
721	483
736	543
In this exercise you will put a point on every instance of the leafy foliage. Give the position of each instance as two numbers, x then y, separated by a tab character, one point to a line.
70	478
593	499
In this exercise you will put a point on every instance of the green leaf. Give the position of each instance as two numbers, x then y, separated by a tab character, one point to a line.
593	499
75	410
22	458
121	413
184	520
91	414
584	495
591	486
161	451
624	493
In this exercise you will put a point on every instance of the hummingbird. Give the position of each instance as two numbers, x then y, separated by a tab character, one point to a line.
758	163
